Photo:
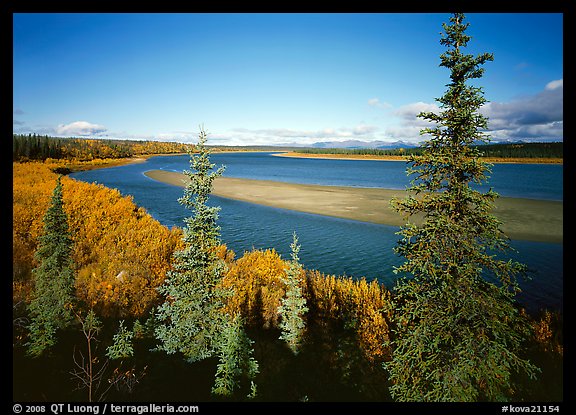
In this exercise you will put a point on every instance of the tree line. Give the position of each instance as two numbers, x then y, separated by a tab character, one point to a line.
554	150
41	147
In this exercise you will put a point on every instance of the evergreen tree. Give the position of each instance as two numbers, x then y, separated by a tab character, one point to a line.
51	304
191	317
236	360
122	346
458	337
293	306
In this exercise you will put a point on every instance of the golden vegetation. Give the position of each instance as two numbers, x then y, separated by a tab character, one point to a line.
26	147
358	304
121	252
257	280
547	332
122	255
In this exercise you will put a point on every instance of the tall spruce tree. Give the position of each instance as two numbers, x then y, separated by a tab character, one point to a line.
51	304
293	306
458	336
191	317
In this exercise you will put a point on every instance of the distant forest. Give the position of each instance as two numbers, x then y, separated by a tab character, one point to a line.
41	147
516	150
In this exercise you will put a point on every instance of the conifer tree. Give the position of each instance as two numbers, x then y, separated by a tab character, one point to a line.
50	308
122	346
458	336
293	306
191	317
236	361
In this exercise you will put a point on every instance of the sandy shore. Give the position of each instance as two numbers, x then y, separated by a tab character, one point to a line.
528	219
494	160
340	156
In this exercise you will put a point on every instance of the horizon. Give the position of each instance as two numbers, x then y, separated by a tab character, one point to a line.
284	79
339	145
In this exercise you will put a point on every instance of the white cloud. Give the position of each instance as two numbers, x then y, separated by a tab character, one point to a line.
409	133
280	136
555	84
538	117
80	128
410	112
364	129
375	102
406	126
180	136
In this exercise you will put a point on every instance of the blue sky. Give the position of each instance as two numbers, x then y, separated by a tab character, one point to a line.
265	79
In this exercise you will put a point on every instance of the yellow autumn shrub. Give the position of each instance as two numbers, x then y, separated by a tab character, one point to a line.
548	333
257	281
357	304
121	252
122	255
33	184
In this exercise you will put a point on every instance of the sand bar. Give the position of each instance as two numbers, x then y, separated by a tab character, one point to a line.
371	157
527	219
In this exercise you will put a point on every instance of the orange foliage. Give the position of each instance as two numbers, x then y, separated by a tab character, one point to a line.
356	303
256	279
33	184
122	255
121	252
548	332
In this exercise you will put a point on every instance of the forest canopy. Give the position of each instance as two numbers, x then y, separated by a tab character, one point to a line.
41	147
27	147
497	150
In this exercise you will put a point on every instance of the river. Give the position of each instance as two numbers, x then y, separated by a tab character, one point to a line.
331	245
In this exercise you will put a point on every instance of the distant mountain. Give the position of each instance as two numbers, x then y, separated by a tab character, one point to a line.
352	144
382	145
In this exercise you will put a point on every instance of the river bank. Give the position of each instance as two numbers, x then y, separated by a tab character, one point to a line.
524	219
516	160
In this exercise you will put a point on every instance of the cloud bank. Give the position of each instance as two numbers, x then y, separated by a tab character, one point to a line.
288	136
538	117
80	128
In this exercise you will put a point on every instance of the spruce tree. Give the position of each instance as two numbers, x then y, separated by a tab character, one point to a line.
191	317
122	346
458	334
236	361
293	306
51	304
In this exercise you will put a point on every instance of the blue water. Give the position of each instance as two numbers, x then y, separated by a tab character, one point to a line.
535	181
331	245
